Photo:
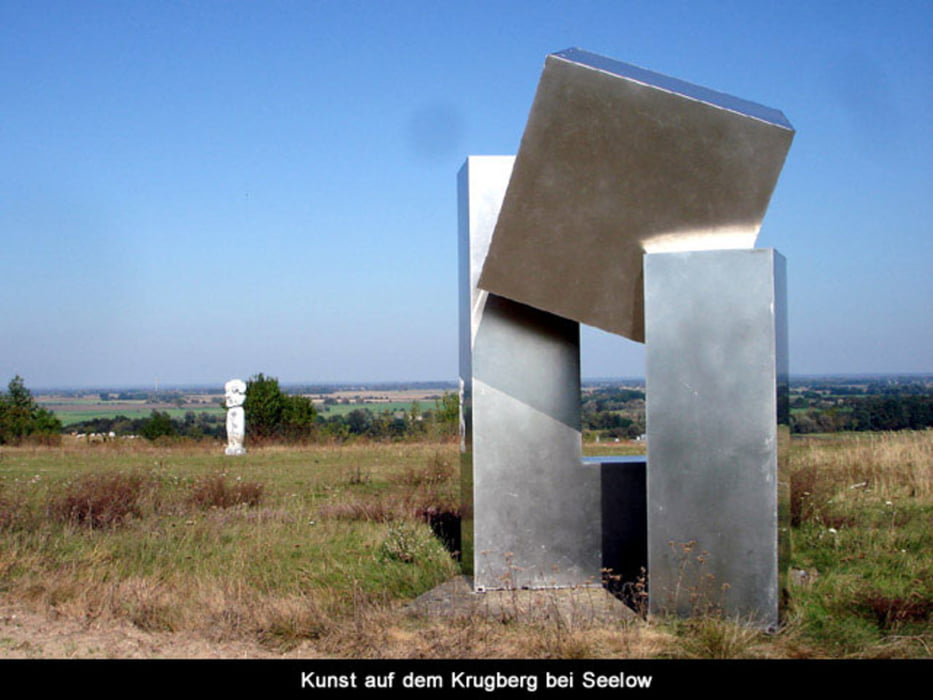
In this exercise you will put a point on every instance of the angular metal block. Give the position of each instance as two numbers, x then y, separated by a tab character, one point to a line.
616	161
530	508
716	371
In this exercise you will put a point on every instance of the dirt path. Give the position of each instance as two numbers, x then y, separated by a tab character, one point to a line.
29	634
25	634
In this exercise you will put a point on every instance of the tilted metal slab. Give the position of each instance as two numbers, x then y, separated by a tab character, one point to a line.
717	420
531	509
616	161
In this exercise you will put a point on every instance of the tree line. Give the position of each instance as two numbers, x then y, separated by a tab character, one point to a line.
614	412
911	412
158	424
273	415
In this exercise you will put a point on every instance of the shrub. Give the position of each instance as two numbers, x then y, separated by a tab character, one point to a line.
445	523
272	414
215	492
406	542
158	425
889	611
99	501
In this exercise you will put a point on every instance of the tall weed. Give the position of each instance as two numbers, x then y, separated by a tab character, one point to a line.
214	491
99	501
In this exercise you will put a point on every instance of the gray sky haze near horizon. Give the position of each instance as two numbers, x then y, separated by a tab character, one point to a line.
194	191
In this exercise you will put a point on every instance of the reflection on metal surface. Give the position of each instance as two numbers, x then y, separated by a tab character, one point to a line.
531	509
616	161
481	185
716	369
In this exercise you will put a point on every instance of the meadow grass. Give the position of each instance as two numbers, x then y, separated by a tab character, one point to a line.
862	505
319	548
203	540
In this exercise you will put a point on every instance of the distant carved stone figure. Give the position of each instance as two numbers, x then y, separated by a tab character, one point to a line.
235	395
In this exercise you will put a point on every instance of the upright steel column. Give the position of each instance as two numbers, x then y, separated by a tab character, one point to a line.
530	508
716	367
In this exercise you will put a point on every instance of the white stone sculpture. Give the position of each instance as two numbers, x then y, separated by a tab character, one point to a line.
235	396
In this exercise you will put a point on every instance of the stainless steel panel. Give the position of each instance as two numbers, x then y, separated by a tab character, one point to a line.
716	342
531	509
616	161
481	185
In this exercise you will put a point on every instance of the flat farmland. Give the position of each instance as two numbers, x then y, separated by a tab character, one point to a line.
343	409
75	409
71	411
376	401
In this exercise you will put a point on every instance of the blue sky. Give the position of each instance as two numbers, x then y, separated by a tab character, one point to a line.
192	191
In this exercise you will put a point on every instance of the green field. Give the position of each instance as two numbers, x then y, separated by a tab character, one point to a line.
78	410
71	416
343	409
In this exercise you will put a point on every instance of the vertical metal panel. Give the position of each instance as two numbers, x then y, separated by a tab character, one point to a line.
481	185
782	361
715	343
531	510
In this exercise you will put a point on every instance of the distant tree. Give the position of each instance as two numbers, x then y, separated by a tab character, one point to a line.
334	427
447	414
159	424
271	414
359	421
22	418
416	425
298	417
263	406
803	423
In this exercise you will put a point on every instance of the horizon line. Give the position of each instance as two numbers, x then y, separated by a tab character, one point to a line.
440	383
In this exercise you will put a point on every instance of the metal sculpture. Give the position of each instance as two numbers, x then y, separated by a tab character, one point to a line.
633	203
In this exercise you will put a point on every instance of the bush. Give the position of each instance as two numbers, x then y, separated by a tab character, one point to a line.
159	424
270	414
405	542
215	492
99	501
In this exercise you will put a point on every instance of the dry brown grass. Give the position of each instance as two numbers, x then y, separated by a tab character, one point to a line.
99	501
215	491
225	581
890	463
831	470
